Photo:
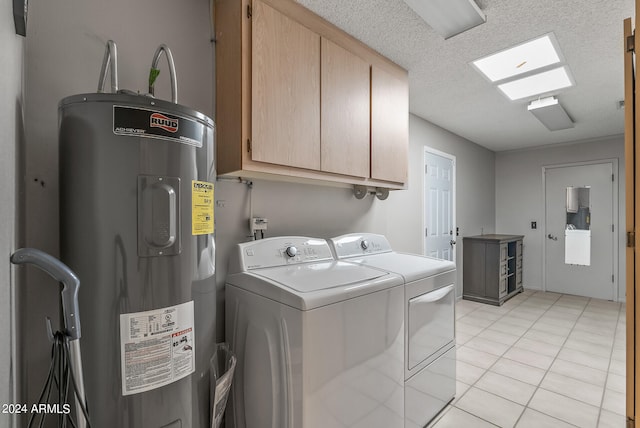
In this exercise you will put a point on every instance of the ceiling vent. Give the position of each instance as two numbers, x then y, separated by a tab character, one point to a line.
448	17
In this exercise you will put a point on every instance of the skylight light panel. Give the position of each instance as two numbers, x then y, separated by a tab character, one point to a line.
538	84
526	57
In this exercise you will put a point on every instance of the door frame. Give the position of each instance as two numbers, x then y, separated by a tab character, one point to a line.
431	150
632	213
615	218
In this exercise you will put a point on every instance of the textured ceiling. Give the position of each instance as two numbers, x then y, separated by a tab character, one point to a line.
447	91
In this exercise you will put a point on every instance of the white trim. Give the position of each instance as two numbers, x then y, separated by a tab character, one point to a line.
568	143
430	150
615	262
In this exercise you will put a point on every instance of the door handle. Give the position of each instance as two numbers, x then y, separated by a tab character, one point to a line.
554	238
452	242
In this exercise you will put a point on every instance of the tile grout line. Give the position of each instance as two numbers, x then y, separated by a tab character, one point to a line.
552	362
554	304
537	386
507	350
606	379
485	370
520	337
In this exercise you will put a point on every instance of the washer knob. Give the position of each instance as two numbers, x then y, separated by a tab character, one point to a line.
291	251
364	244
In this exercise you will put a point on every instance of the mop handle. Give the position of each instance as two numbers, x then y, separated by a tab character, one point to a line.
60	272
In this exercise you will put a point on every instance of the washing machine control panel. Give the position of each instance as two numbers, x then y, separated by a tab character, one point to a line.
283	251
358	244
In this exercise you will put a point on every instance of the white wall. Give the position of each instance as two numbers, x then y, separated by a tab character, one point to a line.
475	185
11	57
296	209
519	197
64	49
325	212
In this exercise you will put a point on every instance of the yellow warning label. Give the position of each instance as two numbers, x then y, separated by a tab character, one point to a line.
201	207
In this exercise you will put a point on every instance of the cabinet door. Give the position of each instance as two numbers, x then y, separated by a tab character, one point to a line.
389	126
502	290
504	252
518	278
345	111
285	90
504	269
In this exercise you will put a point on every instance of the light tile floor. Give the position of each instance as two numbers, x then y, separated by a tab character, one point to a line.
540	360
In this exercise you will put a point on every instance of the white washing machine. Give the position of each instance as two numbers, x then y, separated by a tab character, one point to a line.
319	342
429	313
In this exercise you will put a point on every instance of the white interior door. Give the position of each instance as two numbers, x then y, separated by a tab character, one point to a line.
579	233
439	200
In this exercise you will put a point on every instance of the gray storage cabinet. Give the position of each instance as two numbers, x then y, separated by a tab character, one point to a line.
492	268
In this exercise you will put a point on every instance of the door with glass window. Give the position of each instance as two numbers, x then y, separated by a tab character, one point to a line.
580	230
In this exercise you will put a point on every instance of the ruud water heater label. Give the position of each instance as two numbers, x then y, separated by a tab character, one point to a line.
156	347
141	122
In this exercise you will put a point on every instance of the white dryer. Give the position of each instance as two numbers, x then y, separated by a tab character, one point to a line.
429	312
319	342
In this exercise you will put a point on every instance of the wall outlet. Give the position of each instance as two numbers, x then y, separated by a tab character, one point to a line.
258	223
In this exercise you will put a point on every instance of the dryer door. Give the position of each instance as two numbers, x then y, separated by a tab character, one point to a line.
431	324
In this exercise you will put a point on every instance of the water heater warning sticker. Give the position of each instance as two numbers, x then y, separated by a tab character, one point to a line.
202	207
156	347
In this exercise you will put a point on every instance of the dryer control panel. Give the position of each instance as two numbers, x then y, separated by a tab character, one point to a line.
279	251
359	244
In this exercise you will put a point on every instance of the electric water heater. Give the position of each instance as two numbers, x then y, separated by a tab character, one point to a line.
137	227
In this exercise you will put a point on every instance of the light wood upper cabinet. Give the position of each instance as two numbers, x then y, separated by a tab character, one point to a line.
345	111
299	99
285	90
389	126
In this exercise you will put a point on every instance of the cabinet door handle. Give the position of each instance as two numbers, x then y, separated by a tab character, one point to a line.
554	238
